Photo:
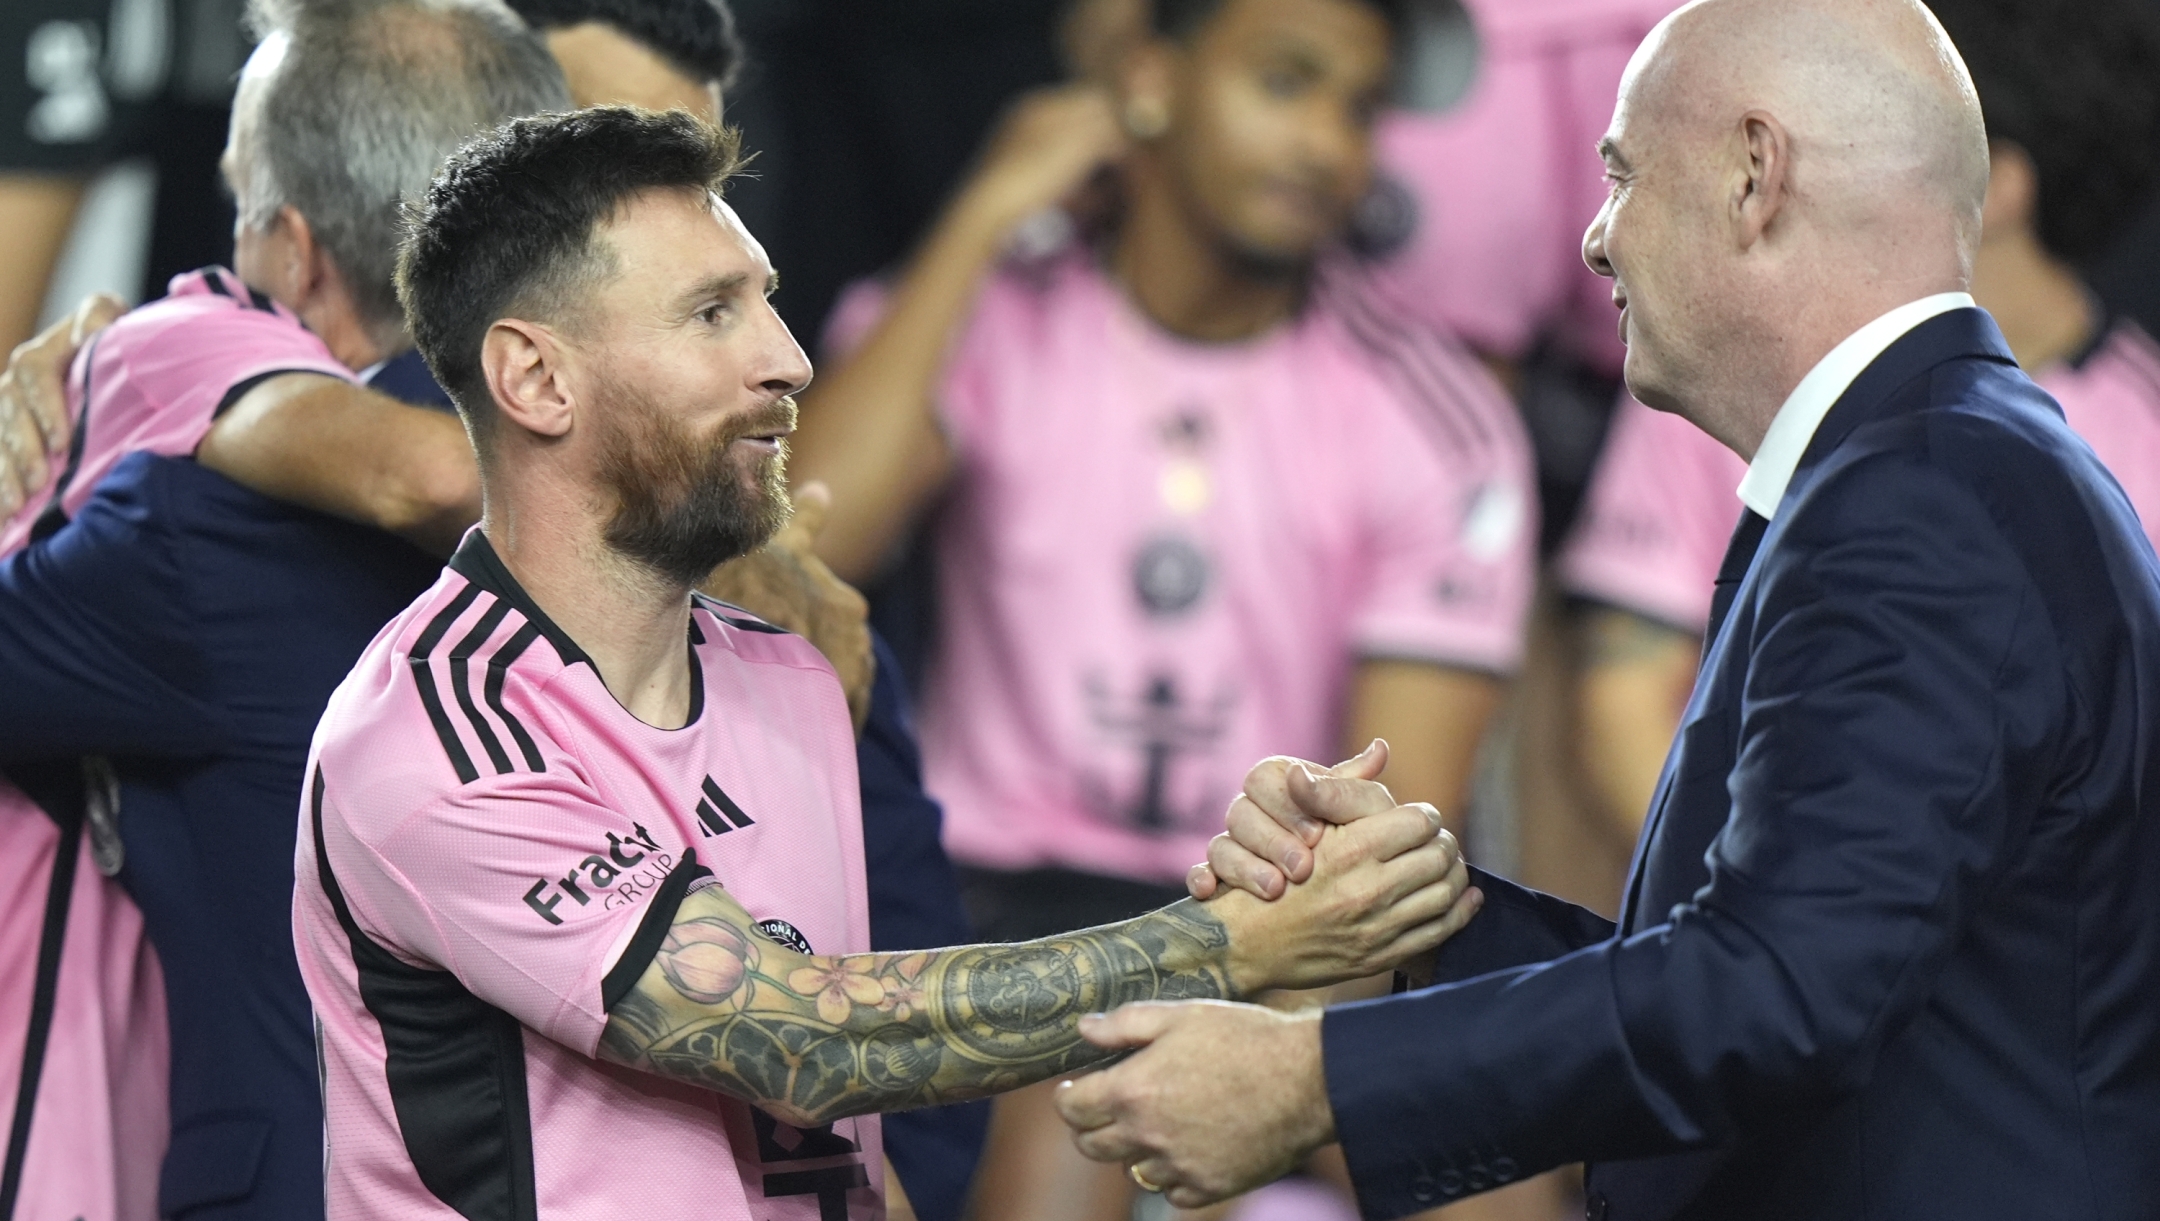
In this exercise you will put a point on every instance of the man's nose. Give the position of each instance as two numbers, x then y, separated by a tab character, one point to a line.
783	367
1593	244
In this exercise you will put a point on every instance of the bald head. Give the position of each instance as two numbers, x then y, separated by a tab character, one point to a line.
1882	114
1784	172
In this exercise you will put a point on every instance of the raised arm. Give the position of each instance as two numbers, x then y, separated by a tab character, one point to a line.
869	426
340	449
814	1038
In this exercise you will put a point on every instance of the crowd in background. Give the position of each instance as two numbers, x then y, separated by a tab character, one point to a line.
1132	330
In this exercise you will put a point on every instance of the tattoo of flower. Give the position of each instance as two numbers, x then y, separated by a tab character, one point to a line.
904	988
705	959
838	989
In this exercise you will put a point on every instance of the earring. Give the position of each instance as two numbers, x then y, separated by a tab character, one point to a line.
1146	118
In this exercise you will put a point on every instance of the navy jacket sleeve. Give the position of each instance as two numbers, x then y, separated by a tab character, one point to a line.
95	651
1516	927
914	905
1898	677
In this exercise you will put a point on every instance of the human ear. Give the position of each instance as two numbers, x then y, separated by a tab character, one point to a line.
523	365
1761	195
292	253
2013	193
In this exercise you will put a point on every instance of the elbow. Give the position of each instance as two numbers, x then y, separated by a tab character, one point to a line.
433	504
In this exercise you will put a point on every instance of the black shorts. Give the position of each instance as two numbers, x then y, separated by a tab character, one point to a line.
1037	903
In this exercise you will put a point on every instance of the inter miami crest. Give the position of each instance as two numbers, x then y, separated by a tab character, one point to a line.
785	934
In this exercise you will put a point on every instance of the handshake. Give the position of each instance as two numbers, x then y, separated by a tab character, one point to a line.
1320	877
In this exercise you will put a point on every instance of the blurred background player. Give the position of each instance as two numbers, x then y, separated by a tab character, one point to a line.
1166	547
2071	93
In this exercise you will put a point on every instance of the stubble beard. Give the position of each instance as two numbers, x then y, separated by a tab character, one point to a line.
686	505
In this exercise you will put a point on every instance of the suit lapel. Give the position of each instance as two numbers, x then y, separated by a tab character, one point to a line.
1739	559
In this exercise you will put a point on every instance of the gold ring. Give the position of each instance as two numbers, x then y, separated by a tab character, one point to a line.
1141	1181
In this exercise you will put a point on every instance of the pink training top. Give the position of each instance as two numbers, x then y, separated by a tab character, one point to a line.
1505	182
490	856
1162	559
152	381
1664	500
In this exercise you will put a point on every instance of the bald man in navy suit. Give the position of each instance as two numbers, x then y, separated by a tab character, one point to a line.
1891	946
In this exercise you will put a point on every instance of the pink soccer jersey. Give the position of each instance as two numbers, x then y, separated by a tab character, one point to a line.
490	853
152	381
1506	181
1656	520
1162	559
155	380
1664	500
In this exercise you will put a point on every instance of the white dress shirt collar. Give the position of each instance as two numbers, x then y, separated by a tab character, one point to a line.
1795	423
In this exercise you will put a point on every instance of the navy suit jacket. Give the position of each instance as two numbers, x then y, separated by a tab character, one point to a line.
1891	944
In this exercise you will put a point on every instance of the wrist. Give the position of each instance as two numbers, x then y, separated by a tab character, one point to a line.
1307	1050
1246	968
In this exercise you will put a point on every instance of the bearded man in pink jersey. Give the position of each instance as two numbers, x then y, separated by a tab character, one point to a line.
580	898
2071	95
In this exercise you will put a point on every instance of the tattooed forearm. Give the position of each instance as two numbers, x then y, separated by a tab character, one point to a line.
814	1039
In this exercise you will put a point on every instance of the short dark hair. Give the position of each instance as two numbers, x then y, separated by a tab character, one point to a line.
2076	84
1180	20
508	227
696	37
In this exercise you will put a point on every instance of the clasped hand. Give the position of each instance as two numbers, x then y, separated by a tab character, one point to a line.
1320	877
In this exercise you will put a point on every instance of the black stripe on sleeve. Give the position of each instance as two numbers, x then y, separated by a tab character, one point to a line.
455	1066
214	277
652	930
498	666
258	300
460	663
430	698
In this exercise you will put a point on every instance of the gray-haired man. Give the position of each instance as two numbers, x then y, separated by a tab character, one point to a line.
192	629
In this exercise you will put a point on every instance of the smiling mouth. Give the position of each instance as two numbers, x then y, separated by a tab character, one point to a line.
768	440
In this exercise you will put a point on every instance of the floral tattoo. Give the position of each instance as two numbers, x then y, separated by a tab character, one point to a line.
813	1039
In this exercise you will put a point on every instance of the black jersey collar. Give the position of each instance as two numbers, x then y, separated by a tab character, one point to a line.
477	562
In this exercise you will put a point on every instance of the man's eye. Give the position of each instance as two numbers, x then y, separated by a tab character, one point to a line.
1282	84
711	313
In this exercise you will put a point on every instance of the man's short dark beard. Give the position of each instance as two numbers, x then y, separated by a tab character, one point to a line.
683	505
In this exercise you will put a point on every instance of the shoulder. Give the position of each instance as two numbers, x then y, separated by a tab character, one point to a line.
202	305
452	692
1984	474
158	376
1417	373
722	628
